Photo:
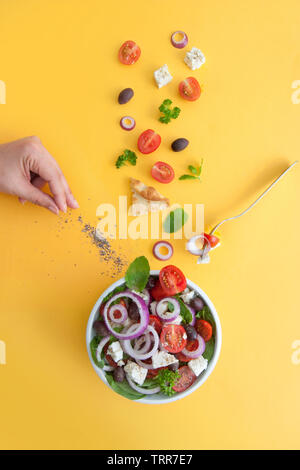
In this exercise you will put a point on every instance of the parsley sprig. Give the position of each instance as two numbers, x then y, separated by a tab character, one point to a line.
166	379
168	113
127	156
195	172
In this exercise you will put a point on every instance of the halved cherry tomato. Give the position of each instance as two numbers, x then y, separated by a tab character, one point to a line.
204	329
154	372
162	172
129	53
156	323
190	89
173	338
172	280
186	379
213	240
117	313
157	291
108	356
148	141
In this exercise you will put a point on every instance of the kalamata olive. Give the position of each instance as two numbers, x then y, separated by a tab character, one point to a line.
179	144
191	332
151	282
119	374
174	366
197	304
125	95
133	312
100	328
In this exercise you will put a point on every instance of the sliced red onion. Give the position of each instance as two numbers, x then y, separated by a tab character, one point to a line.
127	123
192	247
118	308
199	351
162	309
156	250
141	340
143	364
99	349
144	391
181	41
126	345
139	328
145	295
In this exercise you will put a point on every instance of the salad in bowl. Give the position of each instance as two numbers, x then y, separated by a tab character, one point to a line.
153	336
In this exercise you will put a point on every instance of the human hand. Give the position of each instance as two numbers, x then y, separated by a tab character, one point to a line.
25	167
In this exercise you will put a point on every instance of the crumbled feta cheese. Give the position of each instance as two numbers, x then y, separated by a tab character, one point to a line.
153	307
162	76
121	363
194	59
136	372
141	294
198	365
188	296
162	359
115	351
177	321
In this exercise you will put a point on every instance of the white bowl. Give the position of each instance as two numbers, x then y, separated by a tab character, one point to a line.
159	398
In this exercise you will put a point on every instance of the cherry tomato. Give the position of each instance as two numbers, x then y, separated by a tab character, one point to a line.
117	313
108	356
186	379
101	310
157	292
154	372
190	89
129	53
204	329
162	172
156	323
173	338
213	240
148	141
172	280
190	346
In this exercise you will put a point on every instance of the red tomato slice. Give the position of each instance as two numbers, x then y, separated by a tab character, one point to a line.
190	89
129	53
173	338
172	280
148	141
186	379
157	292
156	323
182	357
154	372
108	356
213	240
162	172
204	329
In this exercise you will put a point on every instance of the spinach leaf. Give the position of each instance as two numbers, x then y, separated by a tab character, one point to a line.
187	317
93	346
115	291
123	388
137	274
175	220
206	314
209	349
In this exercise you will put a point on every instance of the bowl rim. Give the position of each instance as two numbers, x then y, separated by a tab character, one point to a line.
198	382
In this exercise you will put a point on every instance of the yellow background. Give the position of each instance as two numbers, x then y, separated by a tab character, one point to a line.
59	62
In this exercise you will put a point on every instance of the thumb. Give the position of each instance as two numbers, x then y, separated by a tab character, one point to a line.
36	196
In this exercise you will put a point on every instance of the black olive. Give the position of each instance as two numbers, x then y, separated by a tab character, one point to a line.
119	374
100	328
179	144
197	304
174	366
125	95
133	312
151	282
191	333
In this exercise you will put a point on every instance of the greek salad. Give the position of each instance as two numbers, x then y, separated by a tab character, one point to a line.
153	334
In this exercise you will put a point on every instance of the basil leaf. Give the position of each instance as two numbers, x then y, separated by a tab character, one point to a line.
188	177
209	349
193	169
175	220
187	317
123	388
171	307
93	347
137	274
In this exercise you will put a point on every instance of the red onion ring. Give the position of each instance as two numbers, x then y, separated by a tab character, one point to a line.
143	311
162	244
192	247
144	391
163	314
126	345
125	125
100	346
182	42
199	351
139	341
120	308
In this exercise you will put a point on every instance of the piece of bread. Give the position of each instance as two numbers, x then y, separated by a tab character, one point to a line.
146	199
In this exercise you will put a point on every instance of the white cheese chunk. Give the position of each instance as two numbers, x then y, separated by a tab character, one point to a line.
162	76
162	359
194	58
153	307
144	296
177	321
115	351
136	372
198	365
121	363
188	296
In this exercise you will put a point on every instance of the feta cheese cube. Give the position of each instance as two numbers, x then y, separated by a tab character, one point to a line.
177	321
153	307
187	296
198	365
136	372
121	363
194	58
162	359
115	350
162	76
